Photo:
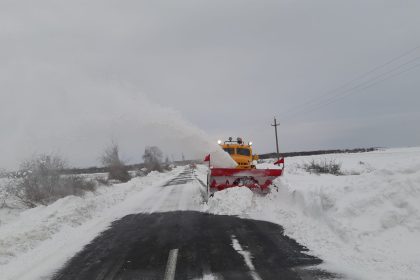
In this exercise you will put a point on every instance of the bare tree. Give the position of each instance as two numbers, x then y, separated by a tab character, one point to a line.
153	158
40	175
40	181
116	167
323	167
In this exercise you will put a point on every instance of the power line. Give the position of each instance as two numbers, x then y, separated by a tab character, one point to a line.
360	77
366	84
358	89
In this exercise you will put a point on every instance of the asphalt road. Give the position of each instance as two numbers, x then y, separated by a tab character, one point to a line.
192	245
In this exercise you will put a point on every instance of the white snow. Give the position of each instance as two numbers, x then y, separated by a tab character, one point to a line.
40	240
220	158
234	201
363	226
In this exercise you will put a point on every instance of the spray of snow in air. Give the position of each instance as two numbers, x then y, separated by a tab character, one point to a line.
80	124
198	142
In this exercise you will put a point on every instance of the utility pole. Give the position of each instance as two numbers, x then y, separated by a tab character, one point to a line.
277	140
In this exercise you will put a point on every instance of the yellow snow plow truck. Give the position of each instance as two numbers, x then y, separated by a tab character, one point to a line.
240	152
245	174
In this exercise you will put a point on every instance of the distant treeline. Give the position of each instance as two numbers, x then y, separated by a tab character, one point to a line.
96	169
318	152
138	166
130	167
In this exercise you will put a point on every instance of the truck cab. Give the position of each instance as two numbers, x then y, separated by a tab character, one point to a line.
240	152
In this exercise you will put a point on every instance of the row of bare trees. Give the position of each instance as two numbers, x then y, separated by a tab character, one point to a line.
42	179
117	169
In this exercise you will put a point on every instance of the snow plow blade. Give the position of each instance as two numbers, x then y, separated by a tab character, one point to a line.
222	178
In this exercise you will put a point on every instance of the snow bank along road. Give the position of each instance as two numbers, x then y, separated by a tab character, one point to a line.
364	224
172	239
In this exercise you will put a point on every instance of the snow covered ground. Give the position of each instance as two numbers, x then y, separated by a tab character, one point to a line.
36	242
365	224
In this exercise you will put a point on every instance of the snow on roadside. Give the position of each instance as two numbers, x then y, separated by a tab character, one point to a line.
42	238
235	201
363	226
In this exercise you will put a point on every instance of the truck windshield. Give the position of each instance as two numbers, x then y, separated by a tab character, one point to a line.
243	151
230	151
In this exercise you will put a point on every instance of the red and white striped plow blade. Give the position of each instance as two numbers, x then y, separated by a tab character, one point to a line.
222	178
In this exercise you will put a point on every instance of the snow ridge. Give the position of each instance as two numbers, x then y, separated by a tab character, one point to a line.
364	226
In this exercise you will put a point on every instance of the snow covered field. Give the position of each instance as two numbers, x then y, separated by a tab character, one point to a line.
365	224
36	242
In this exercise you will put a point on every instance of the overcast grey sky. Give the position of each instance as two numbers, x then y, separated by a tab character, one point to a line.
75	75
